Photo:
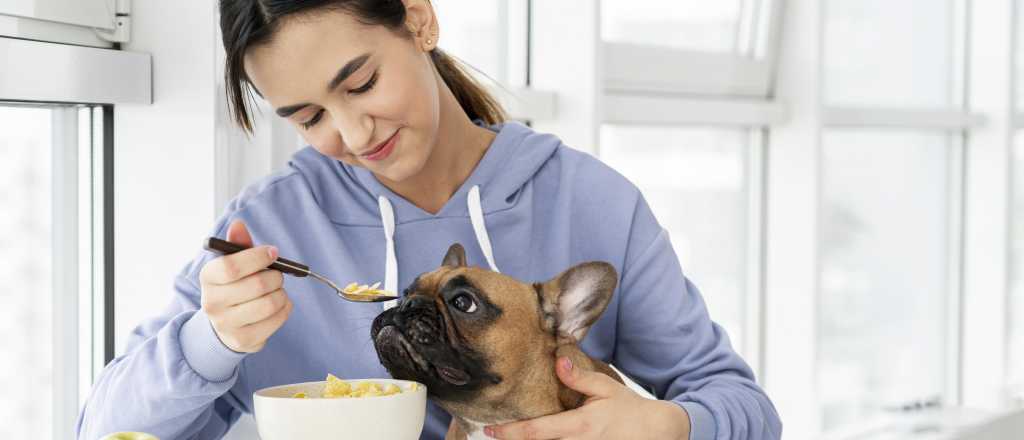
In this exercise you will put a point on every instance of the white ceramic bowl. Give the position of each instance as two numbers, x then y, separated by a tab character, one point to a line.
279	416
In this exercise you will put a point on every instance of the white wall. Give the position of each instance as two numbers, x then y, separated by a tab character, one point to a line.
163	159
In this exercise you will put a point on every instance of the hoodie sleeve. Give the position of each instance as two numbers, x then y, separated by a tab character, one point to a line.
174	379
666	340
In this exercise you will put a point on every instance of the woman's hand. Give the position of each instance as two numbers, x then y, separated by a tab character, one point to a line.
611	411
244	300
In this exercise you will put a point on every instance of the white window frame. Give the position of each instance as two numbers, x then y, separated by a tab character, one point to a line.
82	254
80	85
82	249
978	212
747	73
1014	391
627	69
994	27
601	82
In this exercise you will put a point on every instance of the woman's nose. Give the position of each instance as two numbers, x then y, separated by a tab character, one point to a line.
355	128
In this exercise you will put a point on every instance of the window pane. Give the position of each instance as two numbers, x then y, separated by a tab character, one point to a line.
687	24
1019	58
883	289
25	278
470	30
889	53
1016	322
696	183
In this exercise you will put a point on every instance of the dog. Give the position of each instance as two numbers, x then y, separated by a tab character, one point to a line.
485	344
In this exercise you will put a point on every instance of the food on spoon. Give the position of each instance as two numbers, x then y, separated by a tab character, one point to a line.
363	289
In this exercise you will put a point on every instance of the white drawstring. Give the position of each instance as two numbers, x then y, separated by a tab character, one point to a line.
387	218
476	216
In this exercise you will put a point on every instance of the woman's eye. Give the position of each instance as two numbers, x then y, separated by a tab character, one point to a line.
464	303
362	89
366	87
312	122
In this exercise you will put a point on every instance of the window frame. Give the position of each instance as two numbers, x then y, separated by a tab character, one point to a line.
82	104
748	72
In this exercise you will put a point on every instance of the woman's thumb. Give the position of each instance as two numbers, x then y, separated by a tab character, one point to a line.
238	234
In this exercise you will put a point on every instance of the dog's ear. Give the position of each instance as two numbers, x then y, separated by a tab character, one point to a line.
573	300
456	256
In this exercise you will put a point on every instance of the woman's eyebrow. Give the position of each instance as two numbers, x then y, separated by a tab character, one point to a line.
343	74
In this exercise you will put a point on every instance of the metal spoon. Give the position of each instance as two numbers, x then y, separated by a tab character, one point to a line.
284	265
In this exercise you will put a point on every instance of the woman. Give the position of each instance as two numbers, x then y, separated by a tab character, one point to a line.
407	155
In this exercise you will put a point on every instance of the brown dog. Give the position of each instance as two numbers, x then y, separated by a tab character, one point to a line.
485	344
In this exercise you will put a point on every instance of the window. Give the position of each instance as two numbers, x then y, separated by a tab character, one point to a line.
1015	343
889	54
491	37
884	241
51	235
889	234
697	183
688	24
721	48
725	26
1015	355
26	241
471	31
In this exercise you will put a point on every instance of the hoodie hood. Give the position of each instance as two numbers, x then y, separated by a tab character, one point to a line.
491	187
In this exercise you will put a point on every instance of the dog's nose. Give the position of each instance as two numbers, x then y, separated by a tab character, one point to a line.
407	306
416	316
412	302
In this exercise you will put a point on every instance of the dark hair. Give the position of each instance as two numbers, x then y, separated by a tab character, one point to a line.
245	23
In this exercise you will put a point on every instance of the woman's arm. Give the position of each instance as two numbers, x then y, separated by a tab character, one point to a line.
667	340
175	378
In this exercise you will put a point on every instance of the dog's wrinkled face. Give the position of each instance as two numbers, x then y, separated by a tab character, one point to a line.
471	335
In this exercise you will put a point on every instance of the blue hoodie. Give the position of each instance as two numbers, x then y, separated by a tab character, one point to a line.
531	208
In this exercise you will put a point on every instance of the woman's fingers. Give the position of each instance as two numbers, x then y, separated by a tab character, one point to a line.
252	337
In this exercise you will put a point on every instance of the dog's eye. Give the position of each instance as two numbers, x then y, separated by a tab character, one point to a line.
464	303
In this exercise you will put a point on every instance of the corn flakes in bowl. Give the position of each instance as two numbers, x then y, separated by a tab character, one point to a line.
370	409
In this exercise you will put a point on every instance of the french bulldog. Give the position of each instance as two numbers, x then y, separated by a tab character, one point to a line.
485	344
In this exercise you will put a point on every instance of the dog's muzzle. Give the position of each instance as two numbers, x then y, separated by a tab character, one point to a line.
411	343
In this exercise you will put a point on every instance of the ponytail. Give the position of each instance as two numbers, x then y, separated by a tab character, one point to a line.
474	99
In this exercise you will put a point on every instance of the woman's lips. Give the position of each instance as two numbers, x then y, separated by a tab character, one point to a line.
383	150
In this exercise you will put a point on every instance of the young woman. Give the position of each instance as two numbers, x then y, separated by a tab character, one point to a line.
407	155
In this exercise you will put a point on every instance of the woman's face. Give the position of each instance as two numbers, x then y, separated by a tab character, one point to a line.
358	93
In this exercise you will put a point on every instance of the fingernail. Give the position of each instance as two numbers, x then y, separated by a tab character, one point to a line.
273	252
489	431
567	364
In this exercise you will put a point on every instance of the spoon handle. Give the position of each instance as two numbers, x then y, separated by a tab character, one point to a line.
285	265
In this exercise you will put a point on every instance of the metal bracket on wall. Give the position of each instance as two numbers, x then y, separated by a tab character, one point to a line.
122	24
